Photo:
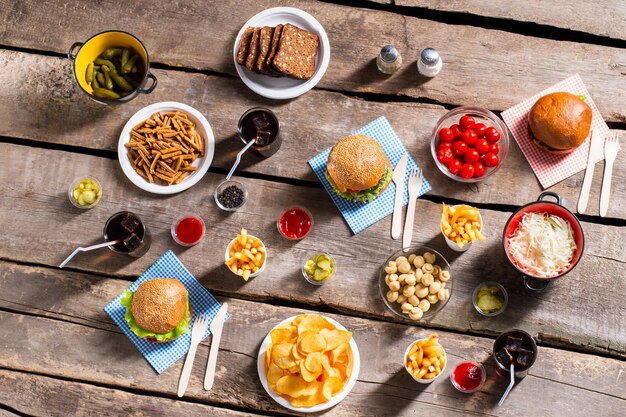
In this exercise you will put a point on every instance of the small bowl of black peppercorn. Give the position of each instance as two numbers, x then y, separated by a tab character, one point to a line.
231	195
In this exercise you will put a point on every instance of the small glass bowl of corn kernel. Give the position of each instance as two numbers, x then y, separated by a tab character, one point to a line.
85	192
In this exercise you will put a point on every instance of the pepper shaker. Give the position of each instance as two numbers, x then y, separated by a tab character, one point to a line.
389	60
430	62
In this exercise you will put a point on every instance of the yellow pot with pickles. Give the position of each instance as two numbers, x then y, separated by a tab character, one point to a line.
112	67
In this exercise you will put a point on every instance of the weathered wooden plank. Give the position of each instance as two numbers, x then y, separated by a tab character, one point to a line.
566	382
602	18
44	105
41	203
38	395
481	65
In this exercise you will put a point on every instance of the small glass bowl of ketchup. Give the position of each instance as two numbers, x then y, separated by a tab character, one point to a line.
468	376
188	229
295	223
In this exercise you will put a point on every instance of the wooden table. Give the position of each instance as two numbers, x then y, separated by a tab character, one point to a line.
62	355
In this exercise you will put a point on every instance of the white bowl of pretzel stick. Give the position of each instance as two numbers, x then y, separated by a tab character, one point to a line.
166	147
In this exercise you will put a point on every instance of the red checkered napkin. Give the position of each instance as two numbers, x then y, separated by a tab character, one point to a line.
551	169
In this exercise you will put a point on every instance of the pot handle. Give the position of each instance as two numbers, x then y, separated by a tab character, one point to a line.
535	285
550	194
74	46
152	87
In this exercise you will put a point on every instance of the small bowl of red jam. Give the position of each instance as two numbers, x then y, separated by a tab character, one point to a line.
295	223
188	229
468	376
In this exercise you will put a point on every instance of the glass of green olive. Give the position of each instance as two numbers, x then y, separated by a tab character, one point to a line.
490	298
85	192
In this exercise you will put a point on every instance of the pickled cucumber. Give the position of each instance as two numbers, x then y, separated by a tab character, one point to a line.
319	268
490	299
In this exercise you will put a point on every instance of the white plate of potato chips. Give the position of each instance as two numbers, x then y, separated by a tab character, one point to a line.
308	363
166	147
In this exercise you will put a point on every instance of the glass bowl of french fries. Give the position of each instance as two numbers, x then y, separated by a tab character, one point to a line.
461	225
415	282
246	255
425	359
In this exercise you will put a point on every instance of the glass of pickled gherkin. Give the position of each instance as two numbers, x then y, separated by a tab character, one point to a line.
490	298
85	192
319	268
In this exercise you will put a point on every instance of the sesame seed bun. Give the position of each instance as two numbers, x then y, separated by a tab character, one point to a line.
559	122
357	163
160	304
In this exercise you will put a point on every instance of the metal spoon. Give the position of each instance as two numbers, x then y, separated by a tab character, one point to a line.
88	248
241	152
512	370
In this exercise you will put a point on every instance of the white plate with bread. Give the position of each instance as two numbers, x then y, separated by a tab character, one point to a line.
281	53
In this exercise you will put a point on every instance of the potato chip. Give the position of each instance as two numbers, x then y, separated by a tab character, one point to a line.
281	335
313	322
307	375
306	400
311	342
281	355
296	354
291	385
313	362
274	373
335	337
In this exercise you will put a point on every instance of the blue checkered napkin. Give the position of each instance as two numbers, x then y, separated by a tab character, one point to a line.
162	355
360	216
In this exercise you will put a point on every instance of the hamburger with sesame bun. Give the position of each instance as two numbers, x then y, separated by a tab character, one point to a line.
159	310
559	122
358	169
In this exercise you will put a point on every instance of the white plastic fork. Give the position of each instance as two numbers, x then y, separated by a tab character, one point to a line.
197	331
611	148
415	184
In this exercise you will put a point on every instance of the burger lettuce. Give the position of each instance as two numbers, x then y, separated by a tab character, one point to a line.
182	328
364	196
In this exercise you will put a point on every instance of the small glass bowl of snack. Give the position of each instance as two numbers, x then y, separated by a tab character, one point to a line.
246	255
319	268
425	359
188	229
231	195
461	225
85	192
468	376
415	282
490	298
469	144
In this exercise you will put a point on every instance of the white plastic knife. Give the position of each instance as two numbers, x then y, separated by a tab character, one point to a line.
399	174
594	148
216	327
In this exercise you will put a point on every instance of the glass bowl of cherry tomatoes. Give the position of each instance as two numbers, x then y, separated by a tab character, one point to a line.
469	143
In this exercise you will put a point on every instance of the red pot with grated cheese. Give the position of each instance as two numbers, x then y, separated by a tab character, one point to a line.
543	240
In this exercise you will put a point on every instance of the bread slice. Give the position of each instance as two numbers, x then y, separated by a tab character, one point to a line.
253	50
278	30
265	41
296	52
244	45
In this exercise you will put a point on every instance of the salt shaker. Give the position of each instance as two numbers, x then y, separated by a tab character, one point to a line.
430	63
389	60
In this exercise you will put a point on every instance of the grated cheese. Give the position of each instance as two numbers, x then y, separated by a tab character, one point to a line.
542	245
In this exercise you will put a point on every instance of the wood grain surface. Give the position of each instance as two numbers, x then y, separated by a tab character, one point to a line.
55	224
487	68
567	381
602	18
44	105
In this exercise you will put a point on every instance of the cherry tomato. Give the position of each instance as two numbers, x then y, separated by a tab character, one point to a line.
494	148
467	122
445	156
454	166
459	147
456	131
479	128
445	135
471	156
482	146
490	160
467	170
469	137
479	169
492	135
444	146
